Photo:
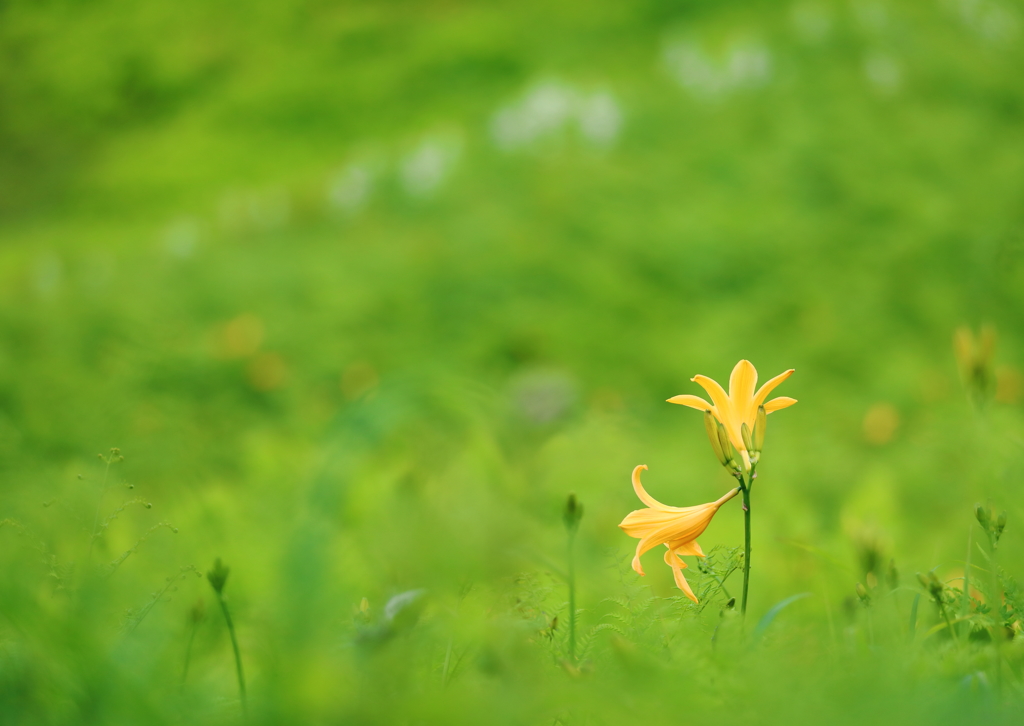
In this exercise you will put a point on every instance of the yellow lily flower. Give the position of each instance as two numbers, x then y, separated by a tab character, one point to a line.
675	527
740	405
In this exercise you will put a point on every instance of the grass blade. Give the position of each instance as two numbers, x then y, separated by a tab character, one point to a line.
769	616
913	616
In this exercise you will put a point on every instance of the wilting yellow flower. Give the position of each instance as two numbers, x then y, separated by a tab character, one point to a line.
675	527
974	357
973	353
740	405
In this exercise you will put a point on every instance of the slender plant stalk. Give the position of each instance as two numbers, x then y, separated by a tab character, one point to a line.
99	506
447	670
447	662
997	641
996	632
571	518
572	598
745	485
234	644
188	654
949	623
965	600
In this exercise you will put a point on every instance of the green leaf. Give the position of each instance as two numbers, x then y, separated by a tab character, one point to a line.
942	626
769	616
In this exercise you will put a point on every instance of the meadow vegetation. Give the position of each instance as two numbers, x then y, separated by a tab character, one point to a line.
314	315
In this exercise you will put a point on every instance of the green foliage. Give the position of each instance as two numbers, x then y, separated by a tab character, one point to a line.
362	290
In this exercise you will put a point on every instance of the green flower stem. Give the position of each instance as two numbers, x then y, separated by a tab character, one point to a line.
745	486
949	623
234	644
572	598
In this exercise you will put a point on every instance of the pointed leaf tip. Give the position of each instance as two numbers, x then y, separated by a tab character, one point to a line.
769	616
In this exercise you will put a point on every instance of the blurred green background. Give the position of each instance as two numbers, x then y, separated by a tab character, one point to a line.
363	290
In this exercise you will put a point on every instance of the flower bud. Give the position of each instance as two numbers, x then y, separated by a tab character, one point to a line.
218	576
892	575
974	356
982	515
931	583
711	426
747	441
753	455
759	427
998	527
727	448
573	513
862	593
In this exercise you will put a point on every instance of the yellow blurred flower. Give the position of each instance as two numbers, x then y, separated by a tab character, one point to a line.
1009	384
974	356
973	352
740	405
675	527
881	423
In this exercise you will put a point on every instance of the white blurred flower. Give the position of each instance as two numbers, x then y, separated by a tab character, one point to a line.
349	189
743	66
47	274
549	108
424	169
544	110
883	72
991	20
600	118
542	396
181	237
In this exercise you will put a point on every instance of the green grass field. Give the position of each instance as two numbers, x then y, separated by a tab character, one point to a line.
361	292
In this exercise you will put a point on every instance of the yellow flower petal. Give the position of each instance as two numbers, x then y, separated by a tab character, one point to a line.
693	402
642	522
676	527
740	405
779	403
741	387
647	498
637	567
684	527
639	488
723	407
686	548
677	565
768	387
